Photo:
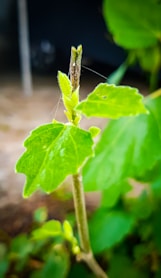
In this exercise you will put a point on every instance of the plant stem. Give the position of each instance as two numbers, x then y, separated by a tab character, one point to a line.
78	192
81	217
155	94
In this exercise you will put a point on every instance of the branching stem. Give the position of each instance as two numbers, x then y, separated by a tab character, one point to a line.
78	192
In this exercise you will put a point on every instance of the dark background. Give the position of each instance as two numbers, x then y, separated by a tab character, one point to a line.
54	26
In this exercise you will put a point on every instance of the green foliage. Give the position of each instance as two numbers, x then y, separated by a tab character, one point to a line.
124	150
136	26
54	151
4	263
124	229
122	264
50	228
40	215
111	228
110	101
116	76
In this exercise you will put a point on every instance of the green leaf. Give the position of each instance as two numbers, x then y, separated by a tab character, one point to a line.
111	195
110	101
116	76
16	247
4	265
126	149
108	228
156	186
94	130
40	214
140	207
68	230
54	151
64	84
133	24
149	58
56	264
19	254
51	228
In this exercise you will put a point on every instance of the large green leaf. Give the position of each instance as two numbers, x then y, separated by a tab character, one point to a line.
54	151
129	147
110	101
133	24
108	228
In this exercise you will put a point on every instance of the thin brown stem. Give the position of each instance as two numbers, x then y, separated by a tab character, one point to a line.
81	217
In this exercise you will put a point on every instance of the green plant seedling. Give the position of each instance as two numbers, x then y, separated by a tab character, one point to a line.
57	150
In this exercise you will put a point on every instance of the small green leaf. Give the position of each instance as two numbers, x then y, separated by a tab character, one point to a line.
51	228
110	101
68	231
64	84
94	131
69	236
40	214
54	151
116	76
108	228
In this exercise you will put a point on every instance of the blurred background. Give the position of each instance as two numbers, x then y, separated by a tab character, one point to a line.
53	28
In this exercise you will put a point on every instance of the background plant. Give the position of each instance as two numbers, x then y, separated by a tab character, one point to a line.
136	26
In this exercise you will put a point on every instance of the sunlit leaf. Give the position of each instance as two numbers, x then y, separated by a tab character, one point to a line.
129	147
110	101
54	151
64	84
